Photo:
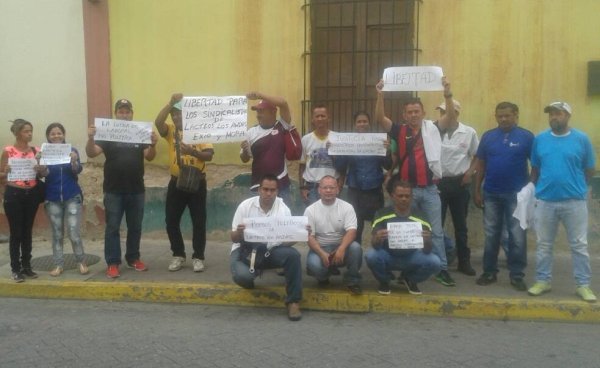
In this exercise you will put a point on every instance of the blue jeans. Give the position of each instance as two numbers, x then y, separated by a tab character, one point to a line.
60	213
115	205
352	262
497	211
282	256
427	201
574	216
415	266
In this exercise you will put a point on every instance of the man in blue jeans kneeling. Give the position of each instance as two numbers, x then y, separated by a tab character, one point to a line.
247	259
417	265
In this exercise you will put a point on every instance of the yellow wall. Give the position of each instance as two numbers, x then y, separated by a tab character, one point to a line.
529	52
208	47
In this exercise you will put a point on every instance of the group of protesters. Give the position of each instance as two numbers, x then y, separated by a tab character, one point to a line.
429	168
57	187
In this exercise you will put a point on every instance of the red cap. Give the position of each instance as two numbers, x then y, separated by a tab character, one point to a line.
264	105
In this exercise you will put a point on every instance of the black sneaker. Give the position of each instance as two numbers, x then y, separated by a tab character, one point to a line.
444	278
17	277
355	289
323	283
412	287
466	268
486	278
518	284
29	273
384	288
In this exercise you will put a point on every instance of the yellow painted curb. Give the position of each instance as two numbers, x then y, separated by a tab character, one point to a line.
329	300
488	308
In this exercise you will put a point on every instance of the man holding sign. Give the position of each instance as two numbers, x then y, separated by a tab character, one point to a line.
270	141
123	191
419	162
182	157
396	246
244	260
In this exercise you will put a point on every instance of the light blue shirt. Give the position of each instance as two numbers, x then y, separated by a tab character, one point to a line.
562	162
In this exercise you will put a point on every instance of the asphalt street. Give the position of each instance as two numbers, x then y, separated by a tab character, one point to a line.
67	333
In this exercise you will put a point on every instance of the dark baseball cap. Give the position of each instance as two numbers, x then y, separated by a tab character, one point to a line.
123	103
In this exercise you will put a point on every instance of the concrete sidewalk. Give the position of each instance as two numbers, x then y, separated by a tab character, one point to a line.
214	286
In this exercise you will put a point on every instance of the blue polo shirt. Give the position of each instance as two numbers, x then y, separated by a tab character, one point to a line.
562	162
505	155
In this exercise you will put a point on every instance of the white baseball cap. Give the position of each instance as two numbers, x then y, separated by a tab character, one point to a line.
558	106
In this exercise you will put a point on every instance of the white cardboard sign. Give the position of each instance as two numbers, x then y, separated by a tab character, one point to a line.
122	131
21	169
405	235
55	154
214	119
276	229
363	144
413	78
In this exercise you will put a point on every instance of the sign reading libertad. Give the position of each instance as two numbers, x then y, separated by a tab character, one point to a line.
212	119
413	78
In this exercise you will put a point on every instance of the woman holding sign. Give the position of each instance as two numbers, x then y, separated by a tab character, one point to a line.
19	169
64	201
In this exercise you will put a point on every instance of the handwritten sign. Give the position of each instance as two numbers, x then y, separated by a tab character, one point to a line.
413	78
55	154
276	229
122	131
214	119
21	169
405	235
364	144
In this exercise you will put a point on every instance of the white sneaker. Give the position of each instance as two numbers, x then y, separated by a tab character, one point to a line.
176	263
198	265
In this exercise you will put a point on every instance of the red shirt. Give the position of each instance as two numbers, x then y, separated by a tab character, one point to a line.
414	168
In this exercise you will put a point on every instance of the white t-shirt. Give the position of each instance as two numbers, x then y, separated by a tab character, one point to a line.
317	160
458	150
251	208
329	224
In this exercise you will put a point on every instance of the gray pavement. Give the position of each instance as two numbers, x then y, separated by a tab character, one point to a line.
57	333
157	256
